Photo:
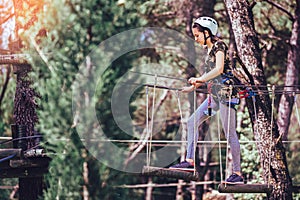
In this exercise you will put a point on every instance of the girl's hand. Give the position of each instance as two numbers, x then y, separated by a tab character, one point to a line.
192	81
196	81
188	89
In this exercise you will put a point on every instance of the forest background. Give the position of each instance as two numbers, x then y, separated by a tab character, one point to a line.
74	29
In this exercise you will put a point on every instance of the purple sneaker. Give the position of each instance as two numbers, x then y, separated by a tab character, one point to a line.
184	165
234	179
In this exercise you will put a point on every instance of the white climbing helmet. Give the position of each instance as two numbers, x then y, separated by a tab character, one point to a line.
209	23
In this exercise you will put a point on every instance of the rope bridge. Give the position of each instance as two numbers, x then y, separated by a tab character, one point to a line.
224	187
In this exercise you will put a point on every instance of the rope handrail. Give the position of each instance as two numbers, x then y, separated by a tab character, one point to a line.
234	85
204	90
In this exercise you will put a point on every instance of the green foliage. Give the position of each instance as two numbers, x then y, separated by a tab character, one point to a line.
64	179
274	28
74	28
6	110
7	182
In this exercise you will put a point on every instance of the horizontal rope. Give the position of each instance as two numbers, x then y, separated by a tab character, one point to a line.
179	141
20	138
155	141
161	76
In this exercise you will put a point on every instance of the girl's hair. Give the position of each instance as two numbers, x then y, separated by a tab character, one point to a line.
200	28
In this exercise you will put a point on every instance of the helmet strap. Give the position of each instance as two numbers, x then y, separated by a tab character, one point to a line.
205	37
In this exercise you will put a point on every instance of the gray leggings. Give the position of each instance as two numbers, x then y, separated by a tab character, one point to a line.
224	115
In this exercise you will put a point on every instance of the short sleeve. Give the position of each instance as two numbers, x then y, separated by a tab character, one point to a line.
220	46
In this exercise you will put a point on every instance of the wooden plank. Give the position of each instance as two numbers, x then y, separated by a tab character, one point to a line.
244	188
23	172
15	59
20	160
9	152
21	67
30	162
170	173
24	167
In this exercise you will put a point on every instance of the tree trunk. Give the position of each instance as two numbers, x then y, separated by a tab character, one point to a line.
30	188
270	147
25	113
292	76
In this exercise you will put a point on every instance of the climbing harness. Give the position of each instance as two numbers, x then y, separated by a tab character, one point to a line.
246	93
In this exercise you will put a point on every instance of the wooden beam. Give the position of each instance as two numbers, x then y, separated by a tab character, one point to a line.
170	173
155	185
245	188
20	62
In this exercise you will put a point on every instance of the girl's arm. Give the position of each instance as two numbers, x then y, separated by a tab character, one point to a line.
213	73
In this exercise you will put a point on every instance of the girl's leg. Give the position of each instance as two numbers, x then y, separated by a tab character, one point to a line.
233	138
200	118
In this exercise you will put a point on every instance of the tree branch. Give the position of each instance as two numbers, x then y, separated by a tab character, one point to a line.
5	86
270	22
252	5
280	8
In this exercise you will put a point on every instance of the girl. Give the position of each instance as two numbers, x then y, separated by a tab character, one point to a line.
218	66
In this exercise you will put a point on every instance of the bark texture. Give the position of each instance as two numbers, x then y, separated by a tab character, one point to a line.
292	76
25	114
269	145
25	107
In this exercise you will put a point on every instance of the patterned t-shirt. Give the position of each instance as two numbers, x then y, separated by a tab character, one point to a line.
211	58
218	90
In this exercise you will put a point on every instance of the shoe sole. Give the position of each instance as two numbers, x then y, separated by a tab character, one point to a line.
233	183
183	169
